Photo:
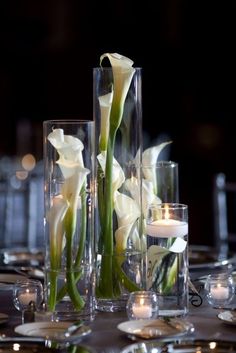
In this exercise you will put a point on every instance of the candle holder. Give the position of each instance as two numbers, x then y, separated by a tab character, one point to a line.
219	289
27	294
142	305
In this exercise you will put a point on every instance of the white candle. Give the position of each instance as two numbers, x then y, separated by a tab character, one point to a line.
27	297
142	311
219	292
164	228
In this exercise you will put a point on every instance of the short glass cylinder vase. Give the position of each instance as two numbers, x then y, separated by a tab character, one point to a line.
120	243
167	257
220	289
69	217
142	305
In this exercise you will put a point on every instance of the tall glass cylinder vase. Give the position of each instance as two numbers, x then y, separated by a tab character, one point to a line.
120	245
69	217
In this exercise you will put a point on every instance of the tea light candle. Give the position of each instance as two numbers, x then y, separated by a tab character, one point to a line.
218	292
26	297
142	311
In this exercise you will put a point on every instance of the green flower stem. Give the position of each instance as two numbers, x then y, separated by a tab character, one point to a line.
126	282
62	292
106	278
83	226
70	221
53	290
55	264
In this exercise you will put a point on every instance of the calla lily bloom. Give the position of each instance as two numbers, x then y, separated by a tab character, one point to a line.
122	76
118	176
68	147
127	212
56	223
148	196
149	159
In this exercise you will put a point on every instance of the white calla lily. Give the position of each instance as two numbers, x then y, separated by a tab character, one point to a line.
68	147
55	218
149	159
74	176
118	176
127	212
105	102
148	197
122	76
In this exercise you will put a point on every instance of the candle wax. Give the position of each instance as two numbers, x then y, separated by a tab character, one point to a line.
219	292
164	228
26	298
142	311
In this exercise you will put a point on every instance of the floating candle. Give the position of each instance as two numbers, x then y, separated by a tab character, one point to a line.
164	228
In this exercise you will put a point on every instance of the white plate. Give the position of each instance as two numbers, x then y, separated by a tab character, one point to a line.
158	328
8	279
3	318
229	317
52	330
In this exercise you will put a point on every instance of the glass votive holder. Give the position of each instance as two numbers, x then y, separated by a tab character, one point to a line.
220	289
142	305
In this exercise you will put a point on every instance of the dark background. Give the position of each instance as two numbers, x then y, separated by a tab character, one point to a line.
186	50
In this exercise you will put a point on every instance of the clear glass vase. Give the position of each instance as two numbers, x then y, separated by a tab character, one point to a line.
69	218
120	246
167	255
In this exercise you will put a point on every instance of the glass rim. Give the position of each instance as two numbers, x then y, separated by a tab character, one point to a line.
108	68
159	164
143	293
68	121
171	205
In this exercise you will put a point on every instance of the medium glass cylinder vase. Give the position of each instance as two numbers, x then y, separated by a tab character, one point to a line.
167	253
120	244
69	217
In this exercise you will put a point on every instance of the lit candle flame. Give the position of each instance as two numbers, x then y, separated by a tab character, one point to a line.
167	214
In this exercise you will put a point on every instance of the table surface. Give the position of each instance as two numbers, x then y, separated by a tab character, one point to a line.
105	336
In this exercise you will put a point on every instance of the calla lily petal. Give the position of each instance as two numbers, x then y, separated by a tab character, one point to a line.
122	76
68	147
126	208
127	212
56	223
149	159
118	176
150	155
105	107
74	179
148	196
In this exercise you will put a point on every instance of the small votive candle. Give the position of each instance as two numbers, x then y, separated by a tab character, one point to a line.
27	297
218	292
142	305
219	289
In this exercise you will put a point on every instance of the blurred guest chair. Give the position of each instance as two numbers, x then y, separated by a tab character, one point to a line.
224	193
21	206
